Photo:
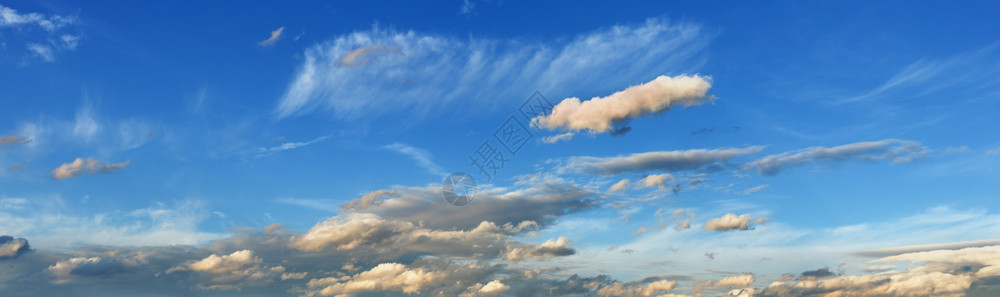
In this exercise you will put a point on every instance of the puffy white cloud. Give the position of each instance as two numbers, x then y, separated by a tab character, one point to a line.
656	180
597	115
893	150
384	277
731	221
670	161
233	271
375	72
549	248
743	280
85	166
82	267
493	288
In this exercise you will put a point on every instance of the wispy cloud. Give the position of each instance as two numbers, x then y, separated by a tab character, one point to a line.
438	71
422	157
269	151
275	36
82	166
893	150
557	138
973	70
46	44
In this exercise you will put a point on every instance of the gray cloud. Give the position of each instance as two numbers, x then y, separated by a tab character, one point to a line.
893	150
670	161
11	247
10	140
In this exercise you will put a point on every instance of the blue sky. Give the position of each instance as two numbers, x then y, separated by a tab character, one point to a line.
695	149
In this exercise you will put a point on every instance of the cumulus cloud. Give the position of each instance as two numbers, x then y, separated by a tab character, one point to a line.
557	138
275	36
226	272
743	280
670	161
386	277
11	247
893	150
933	273
82	166
373	198
549	248
729	222
656	180
363	74
598	114
493	288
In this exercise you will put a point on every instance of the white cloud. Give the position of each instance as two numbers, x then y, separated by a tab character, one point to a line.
656	180
42	51
269	151
234	271
384	277
422	157
730	222
435	72
637	289
82	166
275	36
557	138
620	185
598	115
743	280
45	45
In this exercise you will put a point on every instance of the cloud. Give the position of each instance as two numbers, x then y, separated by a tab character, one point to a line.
754	189
932	273
974	70
927	247
493	288
656	180
234	271
440	72
45	45
670	161
743	280
557	138
387	277
269	151
894	150
422	157
637	289
82	166
275	36
620	185
817	274
729	222
11	247
598	114
81	267
366	54
368	200
11	140
537	198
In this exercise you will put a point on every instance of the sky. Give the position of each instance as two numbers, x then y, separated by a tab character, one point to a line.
641	148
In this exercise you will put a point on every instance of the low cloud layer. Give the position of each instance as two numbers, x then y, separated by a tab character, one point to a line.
598	115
